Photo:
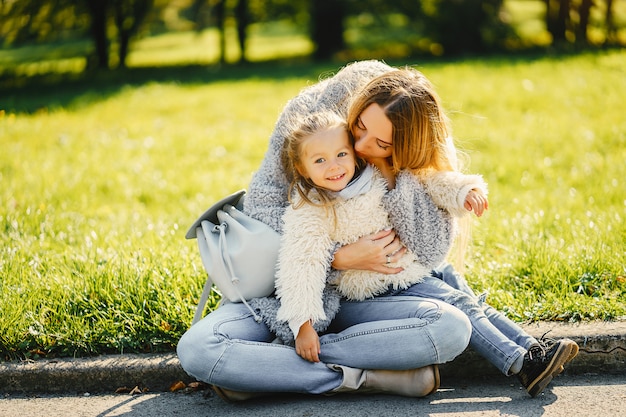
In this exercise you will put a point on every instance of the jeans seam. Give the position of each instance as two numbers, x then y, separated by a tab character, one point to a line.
422	323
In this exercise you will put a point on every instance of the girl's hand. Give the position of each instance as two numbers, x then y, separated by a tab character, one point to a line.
371	253
476	201
308	343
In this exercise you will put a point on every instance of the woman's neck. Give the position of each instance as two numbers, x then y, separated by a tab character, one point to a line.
386	170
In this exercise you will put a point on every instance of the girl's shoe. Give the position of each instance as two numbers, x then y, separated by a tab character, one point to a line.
541	364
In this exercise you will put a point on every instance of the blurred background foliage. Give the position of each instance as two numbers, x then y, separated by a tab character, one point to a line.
102	32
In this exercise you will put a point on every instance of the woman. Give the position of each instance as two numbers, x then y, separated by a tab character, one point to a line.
384	344
433	333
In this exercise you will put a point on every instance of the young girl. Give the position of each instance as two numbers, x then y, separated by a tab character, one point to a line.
337	199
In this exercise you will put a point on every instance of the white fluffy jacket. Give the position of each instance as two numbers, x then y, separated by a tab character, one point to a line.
311	232
426	229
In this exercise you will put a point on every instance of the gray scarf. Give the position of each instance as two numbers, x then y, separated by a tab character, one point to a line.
359	184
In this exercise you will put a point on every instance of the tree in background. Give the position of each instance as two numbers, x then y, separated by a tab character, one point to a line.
206	13
327	27
557	15
398	28
51	20
124	16
462	26
128	16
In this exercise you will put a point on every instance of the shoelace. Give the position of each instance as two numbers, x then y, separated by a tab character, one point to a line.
545	342
536	352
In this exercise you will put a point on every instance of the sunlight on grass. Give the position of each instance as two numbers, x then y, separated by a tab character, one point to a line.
203	48
97	195
556	224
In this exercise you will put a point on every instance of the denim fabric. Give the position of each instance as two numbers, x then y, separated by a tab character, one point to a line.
494	336
229	349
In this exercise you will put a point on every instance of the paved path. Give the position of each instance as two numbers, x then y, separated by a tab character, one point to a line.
593	385
570	396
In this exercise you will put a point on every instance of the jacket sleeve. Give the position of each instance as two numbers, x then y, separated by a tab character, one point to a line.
448	189
302	266
425	229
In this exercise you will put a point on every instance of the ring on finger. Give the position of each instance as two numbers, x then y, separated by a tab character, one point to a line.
388	259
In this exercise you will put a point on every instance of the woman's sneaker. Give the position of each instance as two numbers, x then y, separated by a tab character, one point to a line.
541	365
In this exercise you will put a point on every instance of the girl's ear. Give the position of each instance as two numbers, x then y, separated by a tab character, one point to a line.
301	171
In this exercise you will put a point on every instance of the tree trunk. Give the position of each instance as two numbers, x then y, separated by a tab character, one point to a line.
611	30
220	17
584	11
98	11
562	20
243	19
327	27
129	15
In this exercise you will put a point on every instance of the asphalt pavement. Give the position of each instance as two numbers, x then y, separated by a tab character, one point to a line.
594	384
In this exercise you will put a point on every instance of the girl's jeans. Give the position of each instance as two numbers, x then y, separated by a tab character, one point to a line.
494	336
229	349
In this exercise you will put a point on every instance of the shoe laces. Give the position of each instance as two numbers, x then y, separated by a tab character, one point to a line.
536	353
545	342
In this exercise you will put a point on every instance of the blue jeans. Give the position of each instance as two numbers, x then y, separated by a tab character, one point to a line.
494	336
229	349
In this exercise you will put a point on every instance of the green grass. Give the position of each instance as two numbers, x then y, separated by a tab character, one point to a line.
99	182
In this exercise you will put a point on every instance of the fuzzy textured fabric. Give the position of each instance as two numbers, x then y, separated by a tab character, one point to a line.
448	189
266	198
310	232
428	229
267	309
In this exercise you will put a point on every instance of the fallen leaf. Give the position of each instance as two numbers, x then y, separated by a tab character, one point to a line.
197	386
177	386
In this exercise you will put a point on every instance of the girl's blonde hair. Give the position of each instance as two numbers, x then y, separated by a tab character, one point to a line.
292	162
420	129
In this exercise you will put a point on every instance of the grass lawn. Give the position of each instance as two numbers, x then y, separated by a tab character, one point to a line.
99	182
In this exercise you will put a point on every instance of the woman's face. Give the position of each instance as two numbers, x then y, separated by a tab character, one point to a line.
372	134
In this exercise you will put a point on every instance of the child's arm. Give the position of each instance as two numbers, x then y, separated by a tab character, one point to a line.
455	192
476	201
308	343
302	265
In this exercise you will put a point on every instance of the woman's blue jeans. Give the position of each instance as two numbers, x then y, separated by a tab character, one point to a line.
229	349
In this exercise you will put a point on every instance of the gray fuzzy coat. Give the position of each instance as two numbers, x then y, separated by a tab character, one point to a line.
424	228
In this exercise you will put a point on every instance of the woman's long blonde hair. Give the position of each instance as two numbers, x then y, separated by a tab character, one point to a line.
421	134
420	128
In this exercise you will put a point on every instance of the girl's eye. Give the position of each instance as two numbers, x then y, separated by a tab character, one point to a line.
319	160
342	154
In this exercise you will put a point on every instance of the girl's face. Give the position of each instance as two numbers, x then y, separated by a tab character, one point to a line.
373	134
327	158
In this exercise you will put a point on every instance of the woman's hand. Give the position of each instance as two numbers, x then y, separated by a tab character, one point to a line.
308	343
371	253
476	201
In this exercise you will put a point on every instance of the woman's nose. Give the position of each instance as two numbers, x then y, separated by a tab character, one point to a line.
359	144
